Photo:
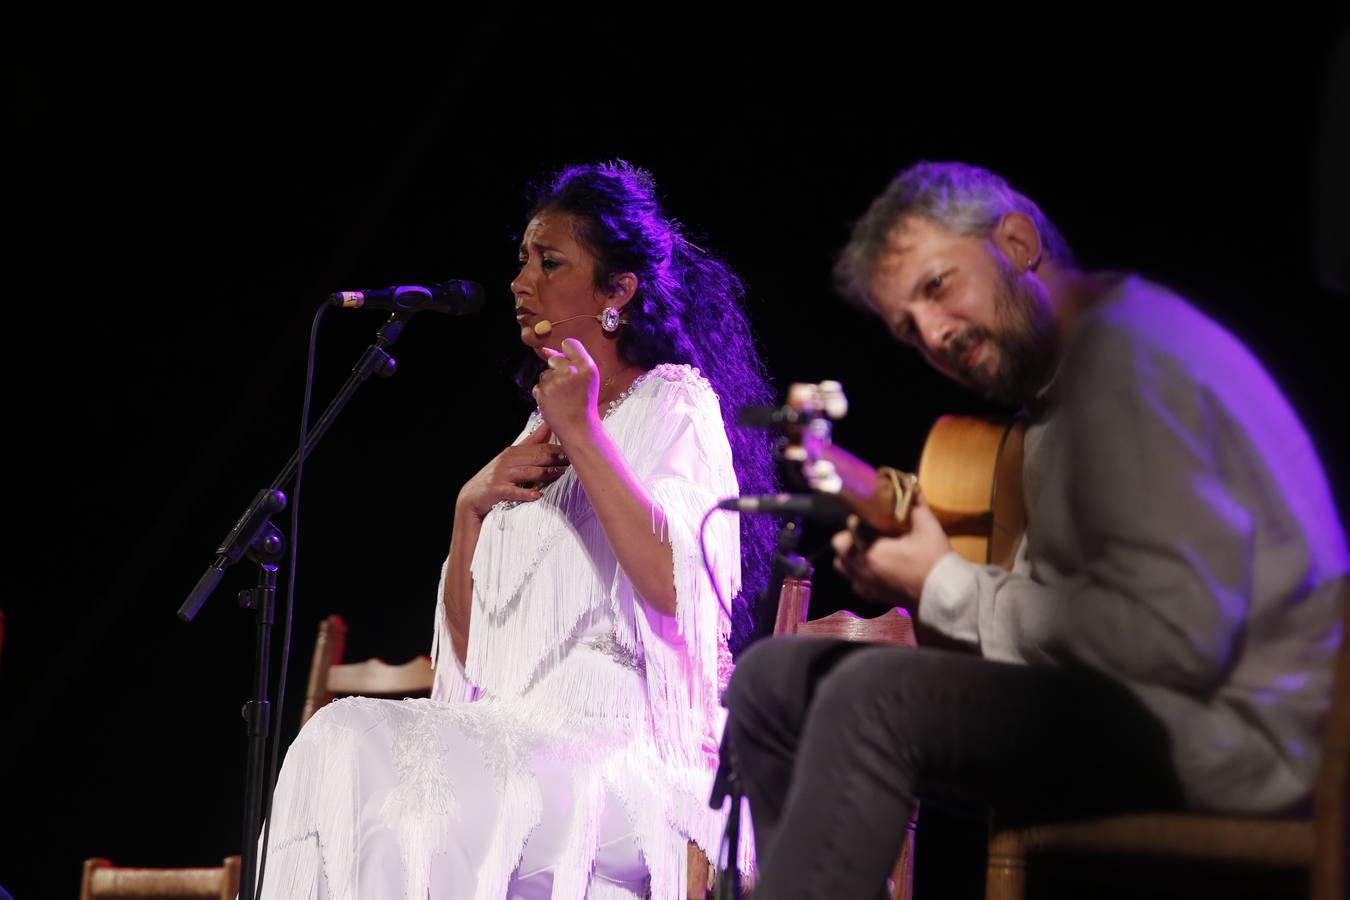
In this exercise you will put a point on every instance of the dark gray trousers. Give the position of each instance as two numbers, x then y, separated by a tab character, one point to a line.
834	742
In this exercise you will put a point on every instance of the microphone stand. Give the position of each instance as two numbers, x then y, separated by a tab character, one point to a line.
255	536
787	563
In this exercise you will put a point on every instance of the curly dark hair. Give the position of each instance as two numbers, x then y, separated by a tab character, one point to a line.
689	307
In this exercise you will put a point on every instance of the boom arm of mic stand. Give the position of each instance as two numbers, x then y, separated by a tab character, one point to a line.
374	361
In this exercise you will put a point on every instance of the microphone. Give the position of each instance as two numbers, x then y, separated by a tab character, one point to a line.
457	298
820	506
611	323
543	328
766	418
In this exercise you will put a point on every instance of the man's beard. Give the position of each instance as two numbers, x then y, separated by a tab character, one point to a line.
1023	334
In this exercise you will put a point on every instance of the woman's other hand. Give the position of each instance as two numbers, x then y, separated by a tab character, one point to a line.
517	473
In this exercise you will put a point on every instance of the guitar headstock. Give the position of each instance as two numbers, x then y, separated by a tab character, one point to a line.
809	415
881	498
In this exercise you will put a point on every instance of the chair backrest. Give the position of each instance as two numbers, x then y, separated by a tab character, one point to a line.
329	676
794	605
104	881
1331	796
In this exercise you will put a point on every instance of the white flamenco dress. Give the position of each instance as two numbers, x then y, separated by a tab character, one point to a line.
572	755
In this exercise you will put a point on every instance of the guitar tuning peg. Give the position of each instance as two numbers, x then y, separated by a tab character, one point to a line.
832	399
822	476
812	400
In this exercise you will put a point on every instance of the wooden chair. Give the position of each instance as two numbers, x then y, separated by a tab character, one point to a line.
104	880
891	627
329	676
1321	844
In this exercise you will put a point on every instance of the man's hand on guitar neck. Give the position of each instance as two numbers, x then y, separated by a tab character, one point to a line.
891	570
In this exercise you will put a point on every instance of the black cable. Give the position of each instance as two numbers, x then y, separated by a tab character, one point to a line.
290	592
707	566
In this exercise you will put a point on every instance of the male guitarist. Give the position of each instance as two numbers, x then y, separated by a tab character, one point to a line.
1166	635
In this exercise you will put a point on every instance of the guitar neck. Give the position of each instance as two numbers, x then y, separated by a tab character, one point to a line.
872	498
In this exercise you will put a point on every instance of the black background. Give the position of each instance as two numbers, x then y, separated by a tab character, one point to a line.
183	190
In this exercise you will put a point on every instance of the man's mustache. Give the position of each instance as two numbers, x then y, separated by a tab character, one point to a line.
956	348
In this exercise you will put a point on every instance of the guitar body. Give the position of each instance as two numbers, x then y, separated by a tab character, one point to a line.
971	474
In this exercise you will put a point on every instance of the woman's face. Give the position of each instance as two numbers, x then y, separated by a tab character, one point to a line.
556	282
